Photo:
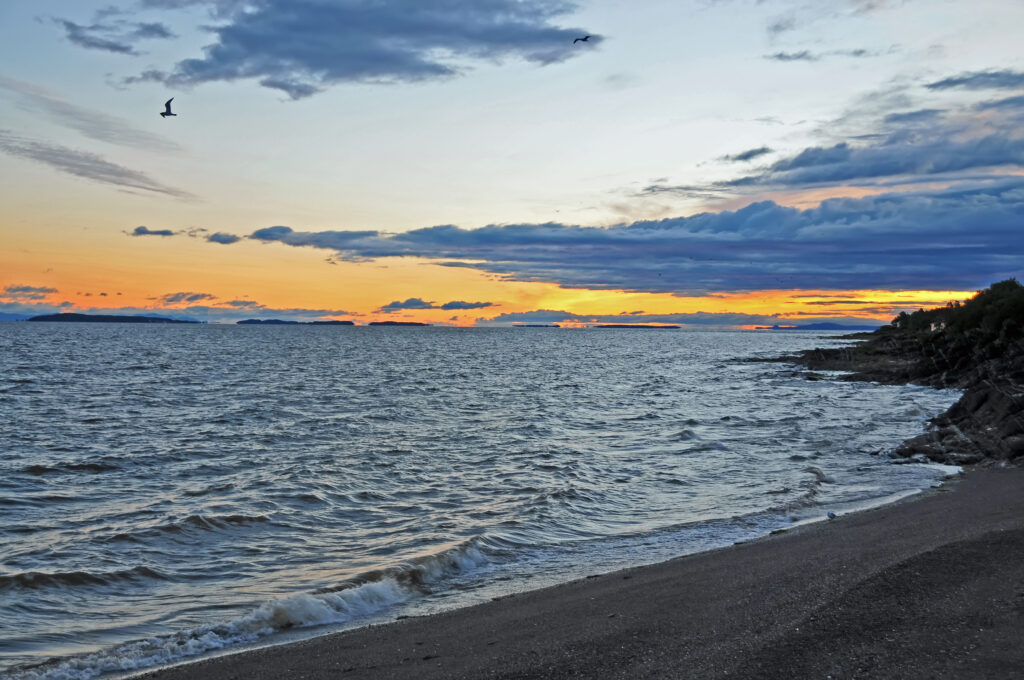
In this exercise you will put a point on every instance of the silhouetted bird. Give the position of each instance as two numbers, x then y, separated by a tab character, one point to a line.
167	109
583	39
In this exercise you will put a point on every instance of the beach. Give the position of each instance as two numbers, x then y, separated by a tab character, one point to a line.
932	586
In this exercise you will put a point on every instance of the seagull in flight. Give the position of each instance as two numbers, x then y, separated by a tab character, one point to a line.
583	39
167	109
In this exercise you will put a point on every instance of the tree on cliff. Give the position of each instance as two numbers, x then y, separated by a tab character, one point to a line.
993	316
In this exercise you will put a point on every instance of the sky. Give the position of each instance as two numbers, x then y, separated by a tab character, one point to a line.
712	163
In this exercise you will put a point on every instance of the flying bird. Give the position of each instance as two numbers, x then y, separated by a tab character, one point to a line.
583	39
167	109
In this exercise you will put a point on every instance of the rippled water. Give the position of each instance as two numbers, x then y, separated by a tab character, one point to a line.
167	491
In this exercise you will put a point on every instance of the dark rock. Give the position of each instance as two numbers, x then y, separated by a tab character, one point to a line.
977	347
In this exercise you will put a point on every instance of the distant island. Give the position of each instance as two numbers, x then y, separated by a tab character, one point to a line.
397	323
105	318
823	326
536	325
635	325
287	322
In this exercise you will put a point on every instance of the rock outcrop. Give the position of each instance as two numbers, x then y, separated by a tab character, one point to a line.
977	347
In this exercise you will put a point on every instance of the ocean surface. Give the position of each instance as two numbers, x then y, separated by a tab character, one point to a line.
173	491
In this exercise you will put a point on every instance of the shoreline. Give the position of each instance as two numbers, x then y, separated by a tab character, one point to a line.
753	609
928	586
809	600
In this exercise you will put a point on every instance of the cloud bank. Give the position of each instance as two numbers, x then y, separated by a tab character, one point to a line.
301	47
961	238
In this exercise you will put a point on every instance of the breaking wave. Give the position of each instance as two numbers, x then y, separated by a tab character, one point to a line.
363	596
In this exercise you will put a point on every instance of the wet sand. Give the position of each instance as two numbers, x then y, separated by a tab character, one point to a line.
931	587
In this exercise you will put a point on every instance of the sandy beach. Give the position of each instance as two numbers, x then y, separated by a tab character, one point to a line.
930	587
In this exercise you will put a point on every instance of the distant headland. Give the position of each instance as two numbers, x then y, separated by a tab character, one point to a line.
106	318
659	327
397	323
287	322
824	326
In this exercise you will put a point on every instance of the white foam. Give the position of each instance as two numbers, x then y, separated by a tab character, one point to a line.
298	611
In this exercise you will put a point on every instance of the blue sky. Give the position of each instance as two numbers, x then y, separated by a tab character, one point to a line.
686	149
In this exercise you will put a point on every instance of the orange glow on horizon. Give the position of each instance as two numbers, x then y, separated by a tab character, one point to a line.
107	270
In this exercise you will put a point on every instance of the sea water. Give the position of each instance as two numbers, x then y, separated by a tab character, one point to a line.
170	491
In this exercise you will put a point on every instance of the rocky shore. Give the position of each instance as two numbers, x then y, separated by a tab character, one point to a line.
977	347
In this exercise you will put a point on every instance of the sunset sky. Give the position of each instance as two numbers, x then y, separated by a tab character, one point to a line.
705	162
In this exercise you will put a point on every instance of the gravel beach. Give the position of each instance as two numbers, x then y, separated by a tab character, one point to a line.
930	587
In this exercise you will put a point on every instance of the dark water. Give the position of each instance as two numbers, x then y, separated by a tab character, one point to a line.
168	491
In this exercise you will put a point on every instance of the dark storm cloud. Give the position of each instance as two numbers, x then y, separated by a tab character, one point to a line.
146	231
302	46
221	237
83	164
956	239
981	80
748	155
